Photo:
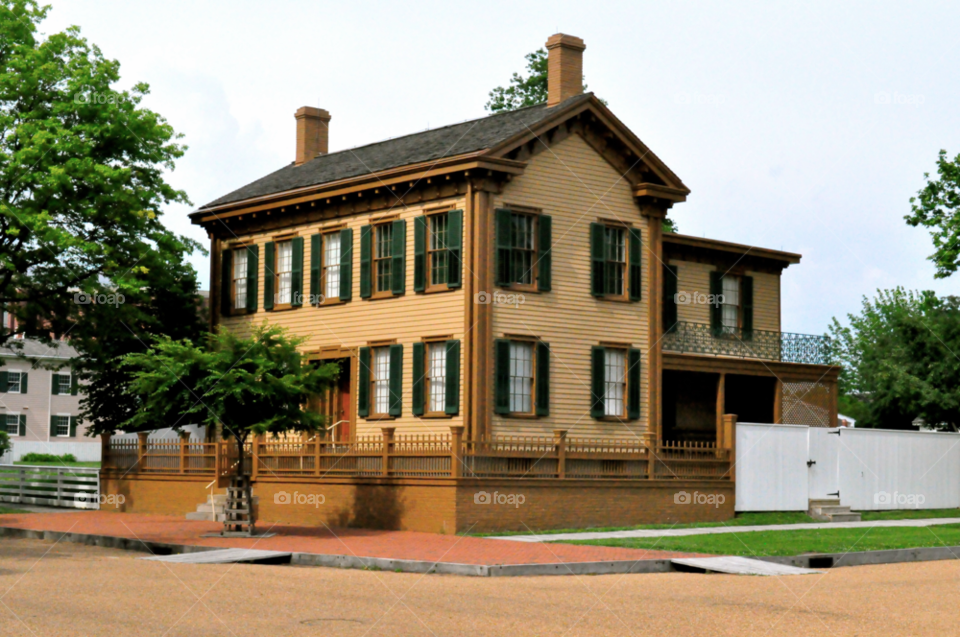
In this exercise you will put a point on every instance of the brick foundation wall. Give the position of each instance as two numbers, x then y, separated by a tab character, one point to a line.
445	506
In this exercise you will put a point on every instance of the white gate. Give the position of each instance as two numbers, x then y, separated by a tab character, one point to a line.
823	464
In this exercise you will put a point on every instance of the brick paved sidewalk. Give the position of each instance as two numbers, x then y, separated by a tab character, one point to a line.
401	545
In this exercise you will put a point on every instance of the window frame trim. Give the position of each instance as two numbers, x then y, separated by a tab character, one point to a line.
280	307
68	417
327	298
532	341
430	286
375	226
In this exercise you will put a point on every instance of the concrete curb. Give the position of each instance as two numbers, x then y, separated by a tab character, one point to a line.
812	560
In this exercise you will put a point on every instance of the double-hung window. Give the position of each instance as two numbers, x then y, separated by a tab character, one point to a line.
614	382
380	380
524	253
523	245
240	261
331	265
284	273
730	305
436	376
61	425
15	382
62	384
616	254
383	257
437	249
521	377
12	424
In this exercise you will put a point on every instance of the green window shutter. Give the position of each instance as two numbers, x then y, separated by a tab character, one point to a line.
3	383
55	385
420	253
633	384
74	385
501	383
399	250
396	379
716	311
23	382
670	274
23	425
418	379
253	269
503	274
296	273
598	361
635	277
269	276
53	426
346	264
363	382
598	259
452	398
316	254
73	426
746	302
226	281
545	253
542	399
455	248
366	261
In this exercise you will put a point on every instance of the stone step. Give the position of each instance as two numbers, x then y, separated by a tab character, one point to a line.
845	517
831	510
206	517
824	501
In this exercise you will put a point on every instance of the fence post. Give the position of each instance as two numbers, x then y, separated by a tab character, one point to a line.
730	441
560	440
105	460
456	451
59	487
141	450
316	455
23	479
651	442
255	456
217	460
184	437
387	448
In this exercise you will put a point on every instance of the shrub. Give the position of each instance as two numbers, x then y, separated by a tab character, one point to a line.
47	457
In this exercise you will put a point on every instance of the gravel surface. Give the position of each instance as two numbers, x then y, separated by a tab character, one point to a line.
70	589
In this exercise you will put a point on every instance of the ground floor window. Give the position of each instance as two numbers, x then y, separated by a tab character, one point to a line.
380	380
62	425
614	382
11	424
521	377
437	376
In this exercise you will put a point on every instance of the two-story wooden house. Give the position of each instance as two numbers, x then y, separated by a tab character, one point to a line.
510	276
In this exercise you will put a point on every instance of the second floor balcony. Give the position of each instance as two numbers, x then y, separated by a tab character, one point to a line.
698	338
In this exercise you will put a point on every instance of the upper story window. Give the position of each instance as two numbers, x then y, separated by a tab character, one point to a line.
437	250
730	311
240	279
62	384
331	265
615	256
383	257
524	250
284	273
15	382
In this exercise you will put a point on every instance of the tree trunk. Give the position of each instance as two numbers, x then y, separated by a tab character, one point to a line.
240	443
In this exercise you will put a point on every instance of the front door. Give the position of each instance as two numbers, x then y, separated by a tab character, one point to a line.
334	403
824	462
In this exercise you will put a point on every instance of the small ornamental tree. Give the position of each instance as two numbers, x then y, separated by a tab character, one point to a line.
254	385
4	442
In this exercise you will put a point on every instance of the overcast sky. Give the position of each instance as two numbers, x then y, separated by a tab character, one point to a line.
805	127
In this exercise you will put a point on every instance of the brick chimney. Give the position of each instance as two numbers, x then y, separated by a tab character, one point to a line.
313	128
564	67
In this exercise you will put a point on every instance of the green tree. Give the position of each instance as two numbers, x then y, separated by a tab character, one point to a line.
254	385
82	175
901	360
669	225
937	206
523	91
4	442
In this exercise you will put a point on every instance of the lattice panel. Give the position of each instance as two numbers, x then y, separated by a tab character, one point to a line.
806	403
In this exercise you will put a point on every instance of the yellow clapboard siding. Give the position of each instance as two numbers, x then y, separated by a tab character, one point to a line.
693	282
576	186
408	318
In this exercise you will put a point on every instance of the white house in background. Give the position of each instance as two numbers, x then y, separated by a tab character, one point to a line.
845	421
39	407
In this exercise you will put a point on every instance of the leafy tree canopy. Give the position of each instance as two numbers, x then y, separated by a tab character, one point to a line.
901	360
937	206
82	176
254	385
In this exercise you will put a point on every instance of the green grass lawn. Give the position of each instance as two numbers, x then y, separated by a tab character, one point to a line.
93	465
4	510
910	514
796	542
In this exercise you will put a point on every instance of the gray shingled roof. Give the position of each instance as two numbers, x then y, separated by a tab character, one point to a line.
34	349
430	145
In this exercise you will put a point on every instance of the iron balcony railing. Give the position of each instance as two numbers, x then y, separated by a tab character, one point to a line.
697	338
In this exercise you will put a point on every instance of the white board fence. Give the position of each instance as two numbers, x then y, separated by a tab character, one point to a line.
73	487
781	467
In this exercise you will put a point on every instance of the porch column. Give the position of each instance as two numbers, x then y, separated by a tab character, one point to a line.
456	451
721	405
778	402
184	438
730	440
560	440
105	461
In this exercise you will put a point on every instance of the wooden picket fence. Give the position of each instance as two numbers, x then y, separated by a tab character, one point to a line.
425	456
